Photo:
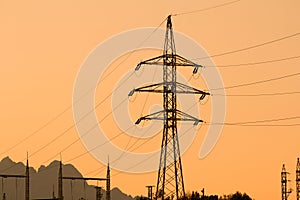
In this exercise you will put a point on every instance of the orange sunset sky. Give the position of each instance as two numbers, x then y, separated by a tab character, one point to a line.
44	43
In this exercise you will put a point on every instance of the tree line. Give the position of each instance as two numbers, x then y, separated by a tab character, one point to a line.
197	196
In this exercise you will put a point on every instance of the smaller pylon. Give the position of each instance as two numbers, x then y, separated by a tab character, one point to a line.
150	191
298	180
284	184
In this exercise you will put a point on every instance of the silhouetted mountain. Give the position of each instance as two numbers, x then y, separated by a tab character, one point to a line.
44	182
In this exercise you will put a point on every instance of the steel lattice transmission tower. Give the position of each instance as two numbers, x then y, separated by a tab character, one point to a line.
284	184
170	183
298	179
150	191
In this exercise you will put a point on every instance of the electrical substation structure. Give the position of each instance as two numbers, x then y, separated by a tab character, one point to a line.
98	189
170	184
60	183
26	177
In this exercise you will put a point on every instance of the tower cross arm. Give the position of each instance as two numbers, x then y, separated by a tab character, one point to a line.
180	116
185	89
158	60
157	88
179	61
180	89
154	116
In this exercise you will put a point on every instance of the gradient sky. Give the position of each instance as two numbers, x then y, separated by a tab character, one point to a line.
44	43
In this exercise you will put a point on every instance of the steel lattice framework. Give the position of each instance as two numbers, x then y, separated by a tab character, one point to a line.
284	184
298	179
98	189
170	182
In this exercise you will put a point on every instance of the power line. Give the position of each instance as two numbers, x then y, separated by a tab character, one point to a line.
126	149
73	125
205	9
88	151
131	52
78	139
257	82
100	145
144	105
254	63
244	123
147	158
36	131
141	113
258	95
254	122
267	125
89	130
250	47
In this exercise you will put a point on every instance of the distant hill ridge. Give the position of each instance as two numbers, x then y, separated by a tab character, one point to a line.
44	181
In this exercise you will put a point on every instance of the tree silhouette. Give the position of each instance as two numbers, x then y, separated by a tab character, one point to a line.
196	196
236	196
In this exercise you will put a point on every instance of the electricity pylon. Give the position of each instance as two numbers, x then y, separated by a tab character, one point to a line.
150	193
284	184
298	179
170	176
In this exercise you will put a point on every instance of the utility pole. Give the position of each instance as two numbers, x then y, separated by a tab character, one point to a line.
298	180
170	182
27	196
60	182
108	182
